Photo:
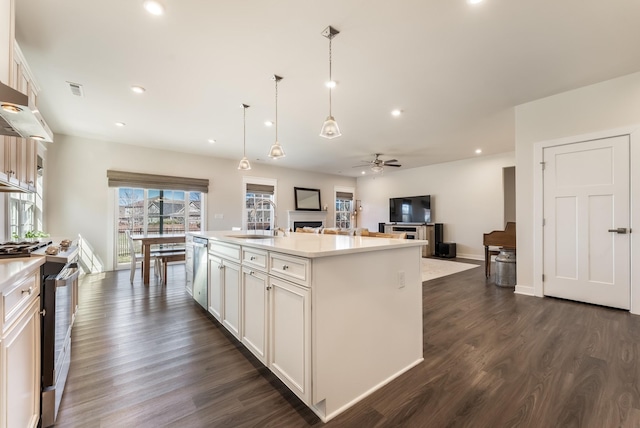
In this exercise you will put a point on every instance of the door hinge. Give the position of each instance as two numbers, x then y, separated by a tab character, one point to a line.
544	222
542	277
542	164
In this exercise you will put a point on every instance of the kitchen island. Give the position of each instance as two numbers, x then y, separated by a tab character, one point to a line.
334	317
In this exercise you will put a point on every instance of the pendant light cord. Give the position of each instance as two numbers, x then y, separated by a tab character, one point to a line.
244	131
276	79
330	79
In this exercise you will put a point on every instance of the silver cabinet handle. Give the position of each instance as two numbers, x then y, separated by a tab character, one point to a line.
621	230
252	258
220	266
29	290
269	288
251	272
285	267
43	312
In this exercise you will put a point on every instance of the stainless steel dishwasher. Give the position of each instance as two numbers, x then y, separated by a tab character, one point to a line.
200	258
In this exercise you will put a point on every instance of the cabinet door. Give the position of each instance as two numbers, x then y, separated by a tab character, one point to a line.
215	287
254	312
30	164
20	362
11	160
290	336
188	268
231	297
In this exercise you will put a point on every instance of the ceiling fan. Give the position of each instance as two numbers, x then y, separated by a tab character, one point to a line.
377	164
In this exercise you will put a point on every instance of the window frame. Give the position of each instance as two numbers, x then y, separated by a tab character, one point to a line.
245	211
348	224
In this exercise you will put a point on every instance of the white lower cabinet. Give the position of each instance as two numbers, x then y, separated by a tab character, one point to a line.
215	287
255	312
231	293
290	335
20	364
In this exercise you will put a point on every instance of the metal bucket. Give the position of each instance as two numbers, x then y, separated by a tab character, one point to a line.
506	268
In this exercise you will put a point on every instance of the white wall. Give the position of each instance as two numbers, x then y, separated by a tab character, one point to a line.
606	105
77	199
466	196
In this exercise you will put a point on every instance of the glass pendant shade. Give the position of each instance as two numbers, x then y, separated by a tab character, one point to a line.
276	151
376	168
330	128
244	164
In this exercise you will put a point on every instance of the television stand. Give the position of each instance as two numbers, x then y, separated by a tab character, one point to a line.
416	231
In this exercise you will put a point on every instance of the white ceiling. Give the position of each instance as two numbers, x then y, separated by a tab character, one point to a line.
456	70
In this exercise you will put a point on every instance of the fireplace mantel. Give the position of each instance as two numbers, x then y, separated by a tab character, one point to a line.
293	216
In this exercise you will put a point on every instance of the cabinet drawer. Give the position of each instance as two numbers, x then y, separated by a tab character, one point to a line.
293	268
254	258
16	299
228	251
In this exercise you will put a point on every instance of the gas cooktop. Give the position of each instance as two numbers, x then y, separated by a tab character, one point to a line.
21	248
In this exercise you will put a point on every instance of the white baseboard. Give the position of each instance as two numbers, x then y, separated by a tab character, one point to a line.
525	290
469	256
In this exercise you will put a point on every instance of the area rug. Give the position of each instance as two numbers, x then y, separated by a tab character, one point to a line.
436	268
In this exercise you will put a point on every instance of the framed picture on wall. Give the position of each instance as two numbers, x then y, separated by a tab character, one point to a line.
307	199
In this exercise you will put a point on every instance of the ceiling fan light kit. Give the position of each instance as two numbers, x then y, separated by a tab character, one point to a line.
244	164
377	165
276	151
330	127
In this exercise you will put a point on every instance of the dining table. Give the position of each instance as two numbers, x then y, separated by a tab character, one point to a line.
147	242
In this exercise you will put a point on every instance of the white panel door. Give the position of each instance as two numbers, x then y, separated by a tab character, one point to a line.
586	201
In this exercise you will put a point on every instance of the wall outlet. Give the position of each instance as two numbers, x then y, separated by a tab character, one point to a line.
218	216
401	281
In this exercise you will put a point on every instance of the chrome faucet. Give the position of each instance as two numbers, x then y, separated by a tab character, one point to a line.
275	215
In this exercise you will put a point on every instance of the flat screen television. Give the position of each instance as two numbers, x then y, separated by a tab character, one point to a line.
410	209
307	199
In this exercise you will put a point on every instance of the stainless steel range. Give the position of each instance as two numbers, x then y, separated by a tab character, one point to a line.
21	248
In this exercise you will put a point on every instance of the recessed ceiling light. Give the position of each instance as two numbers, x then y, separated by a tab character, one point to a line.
363	172
120	124
474	1
211	141
478	151
154	7
10	108
138	89
396	112
268	123
330	84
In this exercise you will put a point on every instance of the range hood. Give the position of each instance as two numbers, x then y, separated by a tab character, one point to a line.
18	119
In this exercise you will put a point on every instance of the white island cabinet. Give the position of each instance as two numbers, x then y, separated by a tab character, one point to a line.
20	342
334	317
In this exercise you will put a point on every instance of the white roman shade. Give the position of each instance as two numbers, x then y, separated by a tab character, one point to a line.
153	181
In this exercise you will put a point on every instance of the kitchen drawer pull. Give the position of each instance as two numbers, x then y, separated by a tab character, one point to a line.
220	267
269	288
29	290
285	267
251	272
43	312
252	258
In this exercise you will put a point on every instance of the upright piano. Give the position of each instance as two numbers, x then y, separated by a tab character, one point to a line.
498	238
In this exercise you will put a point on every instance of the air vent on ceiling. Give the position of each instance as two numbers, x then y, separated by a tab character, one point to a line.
76	89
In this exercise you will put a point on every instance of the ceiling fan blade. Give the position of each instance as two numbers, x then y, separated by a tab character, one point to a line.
386	164
390	161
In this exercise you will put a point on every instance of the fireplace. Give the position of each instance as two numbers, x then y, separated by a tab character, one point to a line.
306	218
297	224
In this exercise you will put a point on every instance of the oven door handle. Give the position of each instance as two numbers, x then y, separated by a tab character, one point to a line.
68	274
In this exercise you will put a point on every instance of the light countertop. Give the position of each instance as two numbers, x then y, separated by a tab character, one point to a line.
312	245
13	270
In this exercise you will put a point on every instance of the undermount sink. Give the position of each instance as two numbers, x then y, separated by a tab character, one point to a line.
251	236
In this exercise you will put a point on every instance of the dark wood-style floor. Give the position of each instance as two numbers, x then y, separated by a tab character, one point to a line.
150	357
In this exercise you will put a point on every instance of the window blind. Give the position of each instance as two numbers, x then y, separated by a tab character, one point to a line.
344	196
153	181
265	189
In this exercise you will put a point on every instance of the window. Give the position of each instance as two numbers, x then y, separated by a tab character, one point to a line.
155	212
259	203
151	204
344	207
25	211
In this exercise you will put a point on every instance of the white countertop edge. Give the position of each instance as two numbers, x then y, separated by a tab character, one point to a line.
287	244
16	269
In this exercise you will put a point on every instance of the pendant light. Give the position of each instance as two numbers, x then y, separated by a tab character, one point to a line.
276	151
330	126
244	164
